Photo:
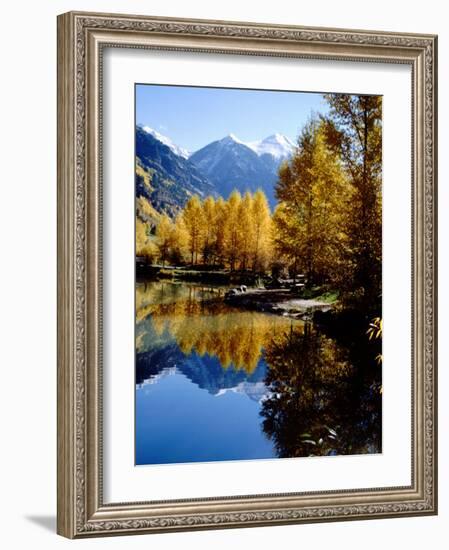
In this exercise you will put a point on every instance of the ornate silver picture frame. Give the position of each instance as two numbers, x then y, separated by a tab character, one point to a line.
82	40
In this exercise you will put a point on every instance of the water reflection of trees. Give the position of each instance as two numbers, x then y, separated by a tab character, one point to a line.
235	337
322	400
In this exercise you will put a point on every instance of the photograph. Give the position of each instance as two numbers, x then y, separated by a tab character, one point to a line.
258	274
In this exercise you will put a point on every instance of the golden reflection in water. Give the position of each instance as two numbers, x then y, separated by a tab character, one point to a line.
201	322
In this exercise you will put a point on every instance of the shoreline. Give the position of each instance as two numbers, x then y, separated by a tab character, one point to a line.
279	302
190	274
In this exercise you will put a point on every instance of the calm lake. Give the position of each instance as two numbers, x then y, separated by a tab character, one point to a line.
215	382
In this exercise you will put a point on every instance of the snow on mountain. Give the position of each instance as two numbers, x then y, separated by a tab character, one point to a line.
277	145
230	163
173	177
232	138
256	391
229	145
167	141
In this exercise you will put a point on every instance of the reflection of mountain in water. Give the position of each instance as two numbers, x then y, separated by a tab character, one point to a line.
257	391
152	363
206	372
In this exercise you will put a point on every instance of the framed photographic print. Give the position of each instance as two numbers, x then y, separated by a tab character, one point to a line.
246	274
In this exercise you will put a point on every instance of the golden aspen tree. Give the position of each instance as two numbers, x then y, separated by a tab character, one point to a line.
247	230
294	190
144	246
209	229
219	230
354	129
193	220
315	195
180	240
287	236
332	194
146	212
232	229
164	237
141	236
262	231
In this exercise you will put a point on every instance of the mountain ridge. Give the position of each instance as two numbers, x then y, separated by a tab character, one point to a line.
218	168
171	178
230	163
180	151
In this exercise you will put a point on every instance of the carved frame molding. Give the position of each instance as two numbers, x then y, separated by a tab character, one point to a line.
81	39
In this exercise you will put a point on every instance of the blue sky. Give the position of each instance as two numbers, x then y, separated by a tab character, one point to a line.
192	117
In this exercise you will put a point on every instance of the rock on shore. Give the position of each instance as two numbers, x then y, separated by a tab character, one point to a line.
278	301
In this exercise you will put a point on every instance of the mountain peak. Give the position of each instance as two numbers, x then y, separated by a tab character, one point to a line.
274	137
166	141
169	171
278	138
232	138
277	145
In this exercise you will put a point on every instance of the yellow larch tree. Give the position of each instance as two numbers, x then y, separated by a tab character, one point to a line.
232	229
164	237
261	216
354	130
247	232
180	241
286	237
312	220
144	246
209	229
219	230
193	220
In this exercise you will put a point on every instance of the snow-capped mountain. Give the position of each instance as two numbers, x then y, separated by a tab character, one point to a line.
218	168
180	151
171	178
230	163
278	146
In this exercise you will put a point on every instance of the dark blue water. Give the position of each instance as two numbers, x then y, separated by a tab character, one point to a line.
179	421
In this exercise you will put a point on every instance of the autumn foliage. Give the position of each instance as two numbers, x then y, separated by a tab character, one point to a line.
326	226
234	233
